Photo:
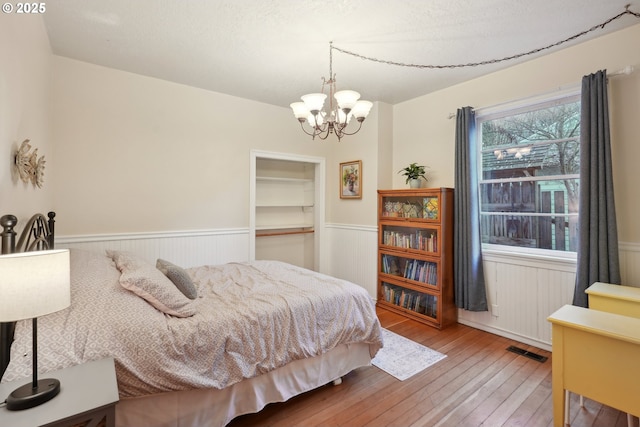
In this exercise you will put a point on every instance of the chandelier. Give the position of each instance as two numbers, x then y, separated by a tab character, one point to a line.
321	123
516	152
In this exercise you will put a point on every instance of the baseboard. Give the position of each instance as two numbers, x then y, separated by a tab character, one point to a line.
507	334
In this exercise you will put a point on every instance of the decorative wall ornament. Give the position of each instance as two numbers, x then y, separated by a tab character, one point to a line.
30	167
22	161
38	176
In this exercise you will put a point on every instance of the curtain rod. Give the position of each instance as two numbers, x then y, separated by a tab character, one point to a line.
629	69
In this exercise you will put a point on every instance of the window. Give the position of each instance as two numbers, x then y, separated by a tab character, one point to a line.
529	175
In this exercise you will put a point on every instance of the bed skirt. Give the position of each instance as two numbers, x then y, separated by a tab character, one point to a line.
216	408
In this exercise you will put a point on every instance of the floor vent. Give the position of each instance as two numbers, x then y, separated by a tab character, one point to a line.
525	353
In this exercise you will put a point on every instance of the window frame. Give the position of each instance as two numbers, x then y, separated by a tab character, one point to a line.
560	97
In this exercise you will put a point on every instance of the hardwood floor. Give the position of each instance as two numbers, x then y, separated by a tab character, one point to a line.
480	383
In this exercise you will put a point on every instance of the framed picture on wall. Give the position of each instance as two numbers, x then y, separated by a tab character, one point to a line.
351	180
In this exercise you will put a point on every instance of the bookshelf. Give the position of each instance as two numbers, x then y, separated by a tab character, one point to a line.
415	254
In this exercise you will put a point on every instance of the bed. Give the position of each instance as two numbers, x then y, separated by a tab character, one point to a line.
255	333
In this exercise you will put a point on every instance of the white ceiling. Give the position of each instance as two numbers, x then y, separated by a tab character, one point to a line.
273	51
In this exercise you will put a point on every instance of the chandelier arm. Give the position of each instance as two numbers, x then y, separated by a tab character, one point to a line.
324	135
343	132
321	132
305	131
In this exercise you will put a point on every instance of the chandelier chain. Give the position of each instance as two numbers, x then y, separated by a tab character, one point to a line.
489	61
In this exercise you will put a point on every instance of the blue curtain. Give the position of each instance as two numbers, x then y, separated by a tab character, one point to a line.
469	284
598	259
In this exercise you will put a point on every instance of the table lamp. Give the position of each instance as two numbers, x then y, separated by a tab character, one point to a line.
33	284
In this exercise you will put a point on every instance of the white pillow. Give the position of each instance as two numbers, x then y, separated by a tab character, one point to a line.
149	283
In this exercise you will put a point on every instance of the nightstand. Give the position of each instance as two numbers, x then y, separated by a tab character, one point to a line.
88	395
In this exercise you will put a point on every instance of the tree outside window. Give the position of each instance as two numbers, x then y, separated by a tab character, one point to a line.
529	175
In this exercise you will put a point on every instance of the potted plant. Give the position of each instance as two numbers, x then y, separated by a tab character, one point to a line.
414	172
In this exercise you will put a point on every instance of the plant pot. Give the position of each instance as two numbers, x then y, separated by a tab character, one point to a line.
415	183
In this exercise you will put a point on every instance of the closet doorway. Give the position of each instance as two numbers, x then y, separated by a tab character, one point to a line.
286	220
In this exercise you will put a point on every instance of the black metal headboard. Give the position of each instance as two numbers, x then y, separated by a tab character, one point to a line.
37	235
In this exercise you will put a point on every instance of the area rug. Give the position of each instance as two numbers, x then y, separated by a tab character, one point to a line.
404	358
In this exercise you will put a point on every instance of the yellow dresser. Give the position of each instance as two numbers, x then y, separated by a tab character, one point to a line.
595	354
614	299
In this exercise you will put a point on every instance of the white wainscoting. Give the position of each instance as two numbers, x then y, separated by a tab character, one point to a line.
522	290
352	252
630	263
184	248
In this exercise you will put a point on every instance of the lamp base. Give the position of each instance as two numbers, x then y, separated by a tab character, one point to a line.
27	396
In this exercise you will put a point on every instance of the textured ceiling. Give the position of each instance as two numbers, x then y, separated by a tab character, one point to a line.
273	51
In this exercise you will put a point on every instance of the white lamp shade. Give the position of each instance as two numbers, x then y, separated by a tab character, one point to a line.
314	101
34	284
361	109
300	110
346	99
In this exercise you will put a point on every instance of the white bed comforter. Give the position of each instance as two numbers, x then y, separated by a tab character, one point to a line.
251	318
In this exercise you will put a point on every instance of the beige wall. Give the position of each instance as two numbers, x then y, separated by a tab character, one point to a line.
422	131
25	68
139	154
365	146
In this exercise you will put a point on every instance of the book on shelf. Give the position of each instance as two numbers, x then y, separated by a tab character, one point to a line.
390	265
411	300
413	269
421	271
419	240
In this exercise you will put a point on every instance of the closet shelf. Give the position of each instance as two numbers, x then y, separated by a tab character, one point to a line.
284	180
284	205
